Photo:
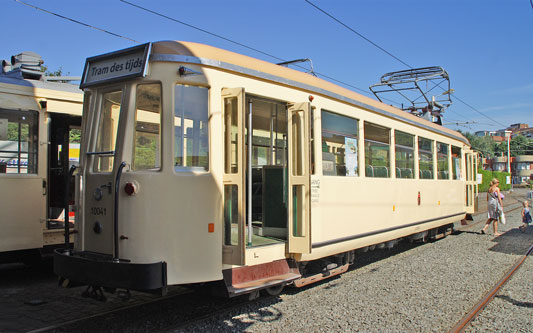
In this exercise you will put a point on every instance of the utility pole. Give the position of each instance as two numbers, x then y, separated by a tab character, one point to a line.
509	159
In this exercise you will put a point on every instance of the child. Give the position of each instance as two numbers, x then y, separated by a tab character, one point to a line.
526	216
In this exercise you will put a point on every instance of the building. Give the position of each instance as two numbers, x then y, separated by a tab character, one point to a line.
522	168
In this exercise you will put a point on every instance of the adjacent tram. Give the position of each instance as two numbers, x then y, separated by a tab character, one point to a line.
40	125
199	164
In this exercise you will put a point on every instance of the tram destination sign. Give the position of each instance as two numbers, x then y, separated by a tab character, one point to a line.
119	65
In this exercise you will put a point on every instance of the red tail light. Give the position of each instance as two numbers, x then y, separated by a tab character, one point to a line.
130	188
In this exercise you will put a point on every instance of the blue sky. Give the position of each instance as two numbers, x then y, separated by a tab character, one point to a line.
485	46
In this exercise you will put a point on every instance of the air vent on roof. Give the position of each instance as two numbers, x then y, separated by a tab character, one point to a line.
28	64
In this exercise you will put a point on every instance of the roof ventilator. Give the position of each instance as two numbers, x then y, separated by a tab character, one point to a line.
26	65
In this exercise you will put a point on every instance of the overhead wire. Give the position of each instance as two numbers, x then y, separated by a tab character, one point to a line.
193	27
76	21
242	45
393	56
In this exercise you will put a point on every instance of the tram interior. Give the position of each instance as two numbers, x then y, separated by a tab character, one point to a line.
269	172
64	132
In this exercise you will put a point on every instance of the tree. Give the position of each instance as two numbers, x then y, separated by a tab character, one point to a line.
520	145
484	144
58	72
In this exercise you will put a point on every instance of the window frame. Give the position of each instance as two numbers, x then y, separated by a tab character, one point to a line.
402	146
96	116
432	159
438	145
389	155
160	134
180	169
322	141
33	124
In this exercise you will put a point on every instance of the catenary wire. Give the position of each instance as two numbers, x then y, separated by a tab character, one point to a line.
191	26
76	21
395	57
243	45
357	33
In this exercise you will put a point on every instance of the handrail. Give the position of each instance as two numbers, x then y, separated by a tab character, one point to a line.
108	153
115	212
66	218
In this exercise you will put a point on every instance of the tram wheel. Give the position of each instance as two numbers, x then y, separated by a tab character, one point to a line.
274	290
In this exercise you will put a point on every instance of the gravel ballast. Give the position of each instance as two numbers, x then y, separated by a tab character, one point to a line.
413	287
426	288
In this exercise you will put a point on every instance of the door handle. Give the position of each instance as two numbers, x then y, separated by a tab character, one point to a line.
44	187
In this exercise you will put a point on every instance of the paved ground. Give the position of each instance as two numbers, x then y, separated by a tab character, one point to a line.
30	298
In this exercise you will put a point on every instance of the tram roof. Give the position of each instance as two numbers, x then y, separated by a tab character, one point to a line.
38	84
220	58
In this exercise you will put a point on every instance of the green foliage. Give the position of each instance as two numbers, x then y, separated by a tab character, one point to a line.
520	145
13	132
75	136
58	72
487	177
145	151
484	144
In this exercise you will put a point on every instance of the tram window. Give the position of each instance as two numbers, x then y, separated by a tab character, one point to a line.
107	131
339	145
231	215
18	141
191	141
377	151
231	135
425	158
442	161
405	154
147	146
456	162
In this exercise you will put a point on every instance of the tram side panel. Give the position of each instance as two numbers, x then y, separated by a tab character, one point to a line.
22	194
22	215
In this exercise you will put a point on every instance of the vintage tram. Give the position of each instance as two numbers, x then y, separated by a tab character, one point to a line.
40	127
200	164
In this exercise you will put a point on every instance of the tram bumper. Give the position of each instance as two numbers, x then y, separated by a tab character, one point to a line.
100	270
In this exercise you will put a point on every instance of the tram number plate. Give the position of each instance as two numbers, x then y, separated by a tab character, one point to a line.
98	211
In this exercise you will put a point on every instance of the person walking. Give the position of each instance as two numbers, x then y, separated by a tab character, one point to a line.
494	207
526	216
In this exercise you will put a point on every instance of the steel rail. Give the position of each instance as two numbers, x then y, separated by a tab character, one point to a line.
101	314
469	226
489	296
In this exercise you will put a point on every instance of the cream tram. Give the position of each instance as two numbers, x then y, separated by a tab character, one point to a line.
199	164
40	121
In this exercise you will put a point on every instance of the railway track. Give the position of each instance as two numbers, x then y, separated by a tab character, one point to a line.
489	296
189	308
106	313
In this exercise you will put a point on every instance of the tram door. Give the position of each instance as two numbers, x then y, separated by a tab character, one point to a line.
266	175
233	251
100	165
22	175
299	178
471	181
63	152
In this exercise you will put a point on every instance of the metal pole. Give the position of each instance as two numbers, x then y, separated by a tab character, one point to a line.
68	176
509	159
19	154
116	257
250	135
